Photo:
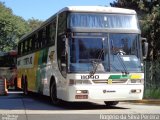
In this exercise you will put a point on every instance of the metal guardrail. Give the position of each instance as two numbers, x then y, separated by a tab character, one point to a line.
152	79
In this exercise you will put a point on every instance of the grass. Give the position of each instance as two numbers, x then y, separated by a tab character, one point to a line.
152	93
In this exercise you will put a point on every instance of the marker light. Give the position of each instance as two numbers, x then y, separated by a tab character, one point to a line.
136	91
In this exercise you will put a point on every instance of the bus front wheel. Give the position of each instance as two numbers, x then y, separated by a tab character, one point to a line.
111	103
53	94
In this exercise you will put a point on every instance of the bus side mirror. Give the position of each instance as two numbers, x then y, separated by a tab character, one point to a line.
144	48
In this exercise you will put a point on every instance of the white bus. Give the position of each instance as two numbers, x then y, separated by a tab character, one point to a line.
84	53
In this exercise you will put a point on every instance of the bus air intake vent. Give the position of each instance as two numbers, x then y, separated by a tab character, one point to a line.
110	81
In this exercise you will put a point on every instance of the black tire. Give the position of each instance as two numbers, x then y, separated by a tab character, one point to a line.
7	86
15	84
53	94
111	103
25	86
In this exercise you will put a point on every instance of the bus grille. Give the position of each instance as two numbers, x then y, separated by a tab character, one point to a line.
113	81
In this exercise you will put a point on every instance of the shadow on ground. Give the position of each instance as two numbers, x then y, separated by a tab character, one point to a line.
16	101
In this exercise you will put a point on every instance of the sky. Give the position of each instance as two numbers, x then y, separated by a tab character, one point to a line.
43	9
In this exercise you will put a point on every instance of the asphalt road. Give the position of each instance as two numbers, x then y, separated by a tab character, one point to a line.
16	106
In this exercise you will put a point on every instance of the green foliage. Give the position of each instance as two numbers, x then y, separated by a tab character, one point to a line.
152	93
34	23
11	28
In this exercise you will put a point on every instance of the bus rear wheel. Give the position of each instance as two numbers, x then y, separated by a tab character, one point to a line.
15	84
111	103
53	94
25	86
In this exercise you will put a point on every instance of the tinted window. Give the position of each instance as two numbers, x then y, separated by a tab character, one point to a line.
92	20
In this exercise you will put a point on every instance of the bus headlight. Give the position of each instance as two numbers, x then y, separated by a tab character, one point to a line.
79	82
81	94
136	91
81	91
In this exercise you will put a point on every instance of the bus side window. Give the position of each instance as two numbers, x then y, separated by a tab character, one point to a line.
48	33
62	24
52	32
39	42
23	47
36	41
26	46
33	42
44	41
61	48
29	44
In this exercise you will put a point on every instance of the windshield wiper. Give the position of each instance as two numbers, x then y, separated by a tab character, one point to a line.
96	62
118	53
123	65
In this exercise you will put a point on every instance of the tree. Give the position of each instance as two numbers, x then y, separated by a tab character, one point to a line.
34	23
149	17
11	28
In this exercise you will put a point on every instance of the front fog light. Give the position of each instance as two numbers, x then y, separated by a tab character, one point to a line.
136	91
81	97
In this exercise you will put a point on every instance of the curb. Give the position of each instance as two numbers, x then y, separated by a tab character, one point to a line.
147	101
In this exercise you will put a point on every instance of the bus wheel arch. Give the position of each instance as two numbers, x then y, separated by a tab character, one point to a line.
53	91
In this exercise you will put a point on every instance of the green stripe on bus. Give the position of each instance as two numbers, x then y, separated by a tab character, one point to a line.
119	76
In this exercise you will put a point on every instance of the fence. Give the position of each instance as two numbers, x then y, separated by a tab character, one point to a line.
152	79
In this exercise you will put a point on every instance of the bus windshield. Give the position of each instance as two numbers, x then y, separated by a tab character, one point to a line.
117	53
97	20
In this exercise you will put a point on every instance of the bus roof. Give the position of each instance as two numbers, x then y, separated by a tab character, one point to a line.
102	9
97	9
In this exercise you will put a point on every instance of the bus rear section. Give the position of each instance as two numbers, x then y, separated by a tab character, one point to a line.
3	86
8	67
